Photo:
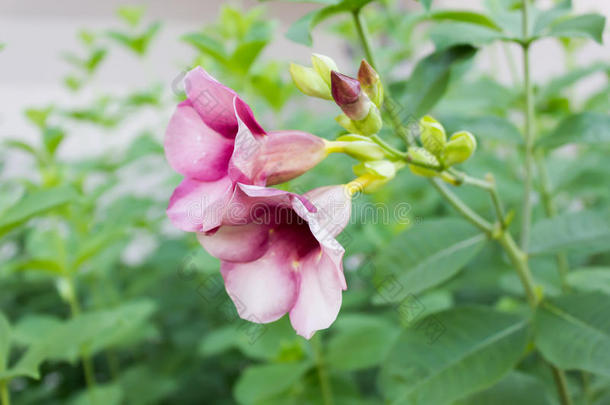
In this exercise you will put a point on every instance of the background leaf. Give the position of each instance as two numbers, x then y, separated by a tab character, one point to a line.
573	332
477	347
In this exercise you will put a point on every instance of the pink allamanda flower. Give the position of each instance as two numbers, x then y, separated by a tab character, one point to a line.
277	249
214	140
285	258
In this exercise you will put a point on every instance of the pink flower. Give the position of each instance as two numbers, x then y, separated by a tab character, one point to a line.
214	140
285	259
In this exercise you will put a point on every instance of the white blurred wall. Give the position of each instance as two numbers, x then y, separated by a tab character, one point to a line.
37	31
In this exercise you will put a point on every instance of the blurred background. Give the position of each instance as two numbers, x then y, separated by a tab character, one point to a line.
100	291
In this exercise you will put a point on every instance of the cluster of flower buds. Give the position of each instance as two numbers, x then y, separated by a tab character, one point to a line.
359	99
314	81
437	152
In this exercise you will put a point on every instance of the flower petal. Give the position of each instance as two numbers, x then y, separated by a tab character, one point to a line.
212	100
243	243
262	290
319	295
197	206
289	154
245	166
193	149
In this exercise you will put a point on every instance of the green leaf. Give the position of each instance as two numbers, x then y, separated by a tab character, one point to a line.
515	388
427	4
35	203
453	354
590	279
573	332
430	78
97	330
465	17
39	116
586	25
587	127
5	342
207	45
131	14
52	138
586	232
261	382
450	34
360	342
110	394
554	87
425	256
300	31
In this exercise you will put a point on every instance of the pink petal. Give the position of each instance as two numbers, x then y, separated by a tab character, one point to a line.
262	290
274	196
243	243
197	206
212	100
319	295
193	149
289	154
334	208
245	166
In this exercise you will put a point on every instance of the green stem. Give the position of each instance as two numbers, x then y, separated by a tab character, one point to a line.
88	368
519	261
461	207
562	385
5	394
390	105
490	187
550	210
529	131
388	148
364	37
325	387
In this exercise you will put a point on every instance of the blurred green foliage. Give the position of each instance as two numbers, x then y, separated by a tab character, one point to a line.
97	291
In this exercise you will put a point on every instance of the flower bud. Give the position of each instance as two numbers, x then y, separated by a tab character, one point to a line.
323	65
372	175
370	125
433	135
309	82
370	82
421	155
460	147
363	150
349	96
288	154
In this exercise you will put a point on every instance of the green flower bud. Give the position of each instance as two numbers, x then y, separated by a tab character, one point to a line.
421	155
371	83
460	147
309	82
370	125
383	169
323	65
363	150
433	135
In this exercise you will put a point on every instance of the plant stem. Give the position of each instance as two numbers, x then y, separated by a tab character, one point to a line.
550	210
5	394
390	105
325	387
562	385
488	185
387	147
519	261
462	208
88	369
529	131
364	37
